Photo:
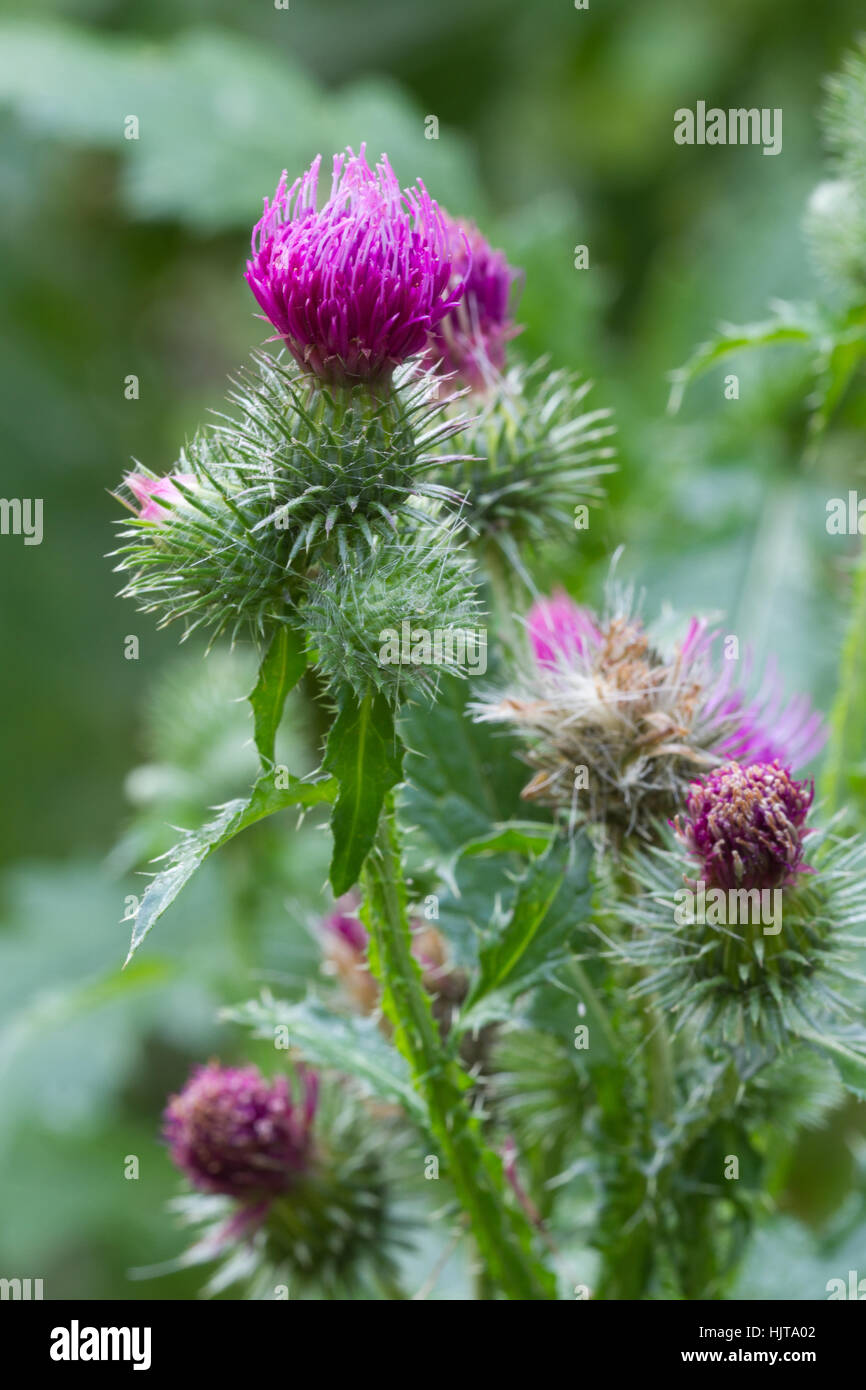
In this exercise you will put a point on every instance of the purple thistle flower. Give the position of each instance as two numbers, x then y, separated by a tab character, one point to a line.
345	924
745	826
233	1132
560	630
470	340
356	287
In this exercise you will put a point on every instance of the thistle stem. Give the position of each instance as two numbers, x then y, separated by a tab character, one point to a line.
660	1067
501	588
503	1235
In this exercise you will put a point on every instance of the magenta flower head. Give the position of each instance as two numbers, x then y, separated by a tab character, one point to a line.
470	340
345	924
355	287
150	493
233	1132
560	630
745	826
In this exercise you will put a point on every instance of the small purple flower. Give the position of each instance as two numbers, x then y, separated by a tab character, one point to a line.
356	287
745	826
147	492
345	924
233	1132
470	340
346	944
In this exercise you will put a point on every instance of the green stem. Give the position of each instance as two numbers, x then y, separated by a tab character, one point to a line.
503	1235
660	1067
500	580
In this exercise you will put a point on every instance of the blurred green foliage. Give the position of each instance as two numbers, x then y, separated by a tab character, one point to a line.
124	257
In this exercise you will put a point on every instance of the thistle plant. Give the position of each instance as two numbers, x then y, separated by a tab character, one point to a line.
761	945
590	931
287	1192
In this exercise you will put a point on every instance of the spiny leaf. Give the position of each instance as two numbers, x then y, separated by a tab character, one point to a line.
282	667
553	899
365	755
352	1045
183	860
790	324
519	837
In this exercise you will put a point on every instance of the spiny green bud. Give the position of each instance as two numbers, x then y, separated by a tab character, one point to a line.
396	617
835	228
335	467
532	456
748	962
298	478
196	550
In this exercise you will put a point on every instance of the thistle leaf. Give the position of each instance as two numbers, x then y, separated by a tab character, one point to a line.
365	755
352	1045
191	851
553	898
790	324
282	667
520	837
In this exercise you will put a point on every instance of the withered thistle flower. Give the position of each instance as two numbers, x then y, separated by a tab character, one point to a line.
617	727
